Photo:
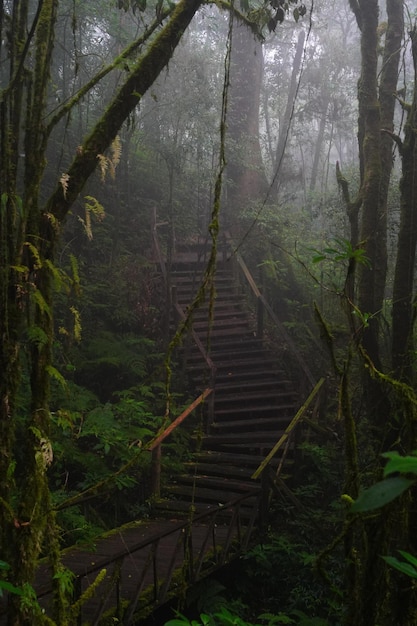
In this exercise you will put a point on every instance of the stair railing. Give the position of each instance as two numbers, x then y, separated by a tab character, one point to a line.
289	431
172	302
156	446
157	248
211	368
262	307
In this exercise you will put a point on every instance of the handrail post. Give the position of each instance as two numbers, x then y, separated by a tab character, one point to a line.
264	502
260	318
76	596
156	471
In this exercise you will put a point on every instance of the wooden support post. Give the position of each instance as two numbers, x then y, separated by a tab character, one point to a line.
264	503
156	471
76	596
260	318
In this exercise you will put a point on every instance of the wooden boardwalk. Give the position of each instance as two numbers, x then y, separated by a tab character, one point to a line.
147	563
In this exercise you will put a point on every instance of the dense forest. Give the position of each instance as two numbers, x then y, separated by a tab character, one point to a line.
292	127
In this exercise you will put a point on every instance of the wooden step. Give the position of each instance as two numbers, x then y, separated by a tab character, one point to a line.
216	469
254	437
280	411
231	459
205	495
233	320
269	423
217	483
257	395
235	387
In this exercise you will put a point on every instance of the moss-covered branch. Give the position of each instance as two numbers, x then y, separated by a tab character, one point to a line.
141	77
117	63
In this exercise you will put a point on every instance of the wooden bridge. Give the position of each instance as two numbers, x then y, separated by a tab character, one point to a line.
217	508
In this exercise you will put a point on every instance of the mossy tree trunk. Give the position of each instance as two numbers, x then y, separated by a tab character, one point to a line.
369	124
247	181
284	128
376	101
29	231
403	307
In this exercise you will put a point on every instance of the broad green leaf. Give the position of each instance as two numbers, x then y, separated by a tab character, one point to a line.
398	463
409	557
6	586
405	568
381	494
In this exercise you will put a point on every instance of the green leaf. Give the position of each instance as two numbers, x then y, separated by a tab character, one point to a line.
405	568
53	373
398	463
409	557
381	494
6	586
41	302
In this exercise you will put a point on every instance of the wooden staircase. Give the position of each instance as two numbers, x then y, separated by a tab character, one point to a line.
253	400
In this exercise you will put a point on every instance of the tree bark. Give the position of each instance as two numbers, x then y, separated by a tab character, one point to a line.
284	128
245	171
369	147
402	306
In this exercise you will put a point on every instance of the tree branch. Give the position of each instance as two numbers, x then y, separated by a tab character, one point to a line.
354	5
142	76
118	61
394	137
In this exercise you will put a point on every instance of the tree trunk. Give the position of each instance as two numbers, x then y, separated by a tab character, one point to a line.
402	306
369	146
245	171
284	128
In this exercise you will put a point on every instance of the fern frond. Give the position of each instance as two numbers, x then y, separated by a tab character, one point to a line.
77	323
93	205
46	451
64	180
37	336
54	221
87	232
21	269
53	373
75	274
41	302
116	151
57	274
37	263
88	224
103	163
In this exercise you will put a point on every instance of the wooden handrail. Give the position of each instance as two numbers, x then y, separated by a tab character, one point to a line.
198	343
288	431
155	446
157	246
157	442
261	300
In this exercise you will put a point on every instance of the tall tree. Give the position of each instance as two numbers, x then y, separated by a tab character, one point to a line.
245	170
376	111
